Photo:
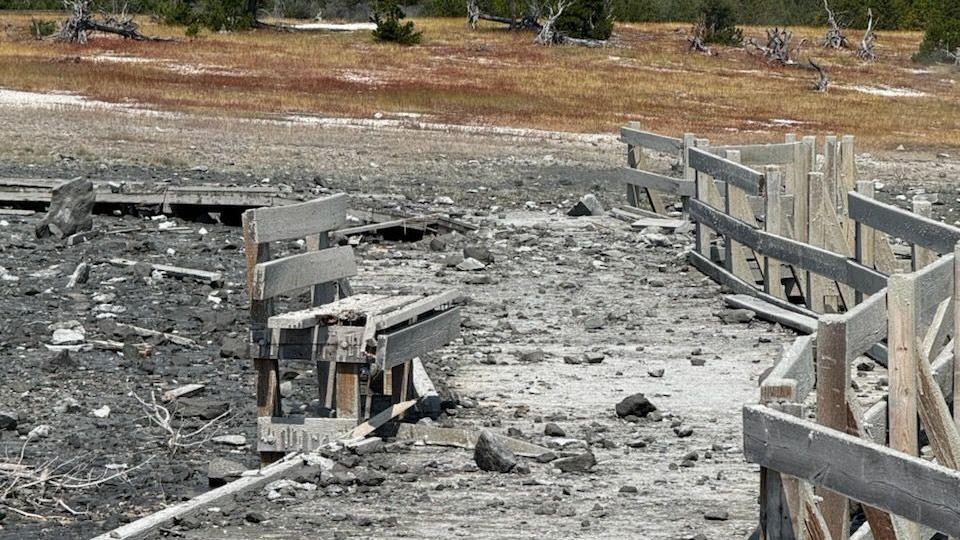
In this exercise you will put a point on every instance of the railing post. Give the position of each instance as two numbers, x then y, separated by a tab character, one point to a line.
773	224
956	334
817	286
922	256
864	238
902	347
833	381
688	173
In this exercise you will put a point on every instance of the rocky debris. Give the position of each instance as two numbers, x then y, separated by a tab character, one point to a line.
553	430
221	471
492	455
716	515
588	205
533	357
8	421
578	463
70	211
479	253
79	276
635	405
102	412
736	316
470	265
234	347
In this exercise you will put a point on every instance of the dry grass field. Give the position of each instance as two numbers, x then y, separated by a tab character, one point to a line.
496	77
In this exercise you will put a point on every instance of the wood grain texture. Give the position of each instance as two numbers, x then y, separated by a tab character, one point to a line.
657	182
270	224
876	475
650	141
903	224
301	271
727	171
418	339
833	383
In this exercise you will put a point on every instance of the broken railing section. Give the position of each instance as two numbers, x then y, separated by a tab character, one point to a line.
868	456
366	347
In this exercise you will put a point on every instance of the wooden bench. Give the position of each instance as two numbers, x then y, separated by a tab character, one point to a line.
363	345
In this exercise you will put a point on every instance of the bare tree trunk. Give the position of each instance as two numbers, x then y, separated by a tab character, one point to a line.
835	38
547	34
823	82
80	23
869	42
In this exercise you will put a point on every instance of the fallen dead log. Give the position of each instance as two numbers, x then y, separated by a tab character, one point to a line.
214	279
77	27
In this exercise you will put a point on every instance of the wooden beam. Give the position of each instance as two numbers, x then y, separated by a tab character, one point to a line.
772	313
774	224
380	419
297	220
955	372
297	272
909	227
796	364
429	398
935	415
145	526
657	182
881	523
651	141
876	475
921	256
418	339
299	434
723	169
763	154
833	382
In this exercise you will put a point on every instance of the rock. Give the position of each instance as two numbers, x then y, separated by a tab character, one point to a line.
553	430
683	432
588	206
230	440
480	253
438	244
234	347
255	517
221	470
80	275
470	265
102	412
716	515
443	200
70	211
8	421
368	477
656	373
40	432
636	405
579	463
534	356
492	455
67	336
61	361
628	489
593	357
202	408
593	323
370	445
736	316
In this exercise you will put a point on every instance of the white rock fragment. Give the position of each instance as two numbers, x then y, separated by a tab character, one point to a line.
102	412
67	336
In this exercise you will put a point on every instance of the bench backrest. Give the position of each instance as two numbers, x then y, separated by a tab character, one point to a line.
269	278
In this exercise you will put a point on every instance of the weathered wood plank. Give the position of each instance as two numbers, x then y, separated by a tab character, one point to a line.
298	220
721	276
380	419
352	307
723	169
143	527
657	182
650	141
795	364
418	339
299	434
772	313
301	271
833	383
763	154
409	311
903	224
866	324
876	475
818	260
429	398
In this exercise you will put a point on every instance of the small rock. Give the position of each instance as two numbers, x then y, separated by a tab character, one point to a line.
736	316
553	430
635	405
61	361
656	373
102	412
716	515
221	470
233	347
587	206
579	463
628	489
492	455
8	421
479	253
593	357
230	440
470	265
67	336
255	517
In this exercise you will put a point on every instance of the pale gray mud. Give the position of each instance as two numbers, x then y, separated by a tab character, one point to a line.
566	286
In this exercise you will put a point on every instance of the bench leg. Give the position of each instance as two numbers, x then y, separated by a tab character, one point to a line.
348	390
401	382
268	397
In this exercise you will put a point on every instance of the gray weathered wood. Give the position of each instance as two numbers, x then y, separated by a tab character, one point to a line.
650	141
429	398
721	276
795	364
299	434
202	276
657	182
772	313
866	324
763	154
297	272
826	263
298	220
143	527
386	320
903	224
394	348
728	171
876	475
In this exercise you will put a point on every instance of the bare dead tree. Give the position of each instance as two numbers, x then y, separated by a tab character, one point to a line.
777	49
698	37
954	55
473	14
77	27
835	38
869	42
547	34
177	439
822	82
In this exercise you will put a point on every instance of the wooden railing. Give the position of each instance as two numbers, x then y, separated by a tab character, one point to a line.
811	250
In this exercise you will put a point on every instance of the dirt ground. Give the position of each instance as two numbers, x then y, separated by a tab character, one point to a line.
566	286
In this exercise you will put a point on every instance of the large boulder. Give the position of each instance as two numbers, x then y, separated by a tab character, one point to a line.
71	209
492	455
636	405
